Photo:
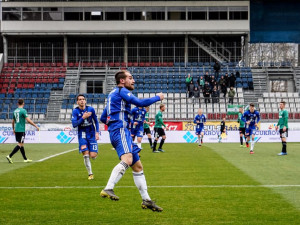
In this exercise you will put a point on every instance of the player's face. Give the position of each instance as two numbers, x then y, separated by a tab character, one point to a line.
200	112
281	106
251	109
147	109
241	110
81	101
163	108
129	82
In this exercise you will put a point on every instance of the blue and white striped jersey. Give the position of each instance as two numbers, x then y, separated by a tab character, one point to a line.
118	109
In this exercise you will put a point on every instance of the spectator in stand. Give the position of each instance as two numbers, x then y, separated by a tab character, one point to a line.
215	95
200	82
206	92
226	79
197	92
207	77
231	95
237	74
188	81
232	80
217	68
213	82
224	90
191	89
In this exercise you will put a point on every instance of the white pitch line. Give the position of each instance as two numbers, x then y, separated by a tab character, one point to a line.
61	153
183	186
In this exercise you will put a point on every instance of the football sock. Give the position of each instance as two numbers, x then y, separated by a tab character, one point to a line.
116	174
22	150
87	163
241	140
140	182
16	149
154	145
199	140
150	141
284	146
202	138
161	143
139	144
252	145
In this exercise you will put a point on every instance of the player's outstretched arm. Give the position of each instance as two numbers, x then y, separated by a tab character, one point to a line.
130	98
32	123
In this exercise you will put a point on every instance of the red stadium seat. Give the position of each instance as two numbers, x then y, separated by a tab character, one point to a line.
111	64
59	64
53	64
129	64
36	64
117	64
291	115
141	64
42	64
270	115
11	65
135	64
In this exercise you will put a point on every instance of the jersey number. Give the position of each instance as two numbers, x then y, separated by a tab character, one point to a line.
17	116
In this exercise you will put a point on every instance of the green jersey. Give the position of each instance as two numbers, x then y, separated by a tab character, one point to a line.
146	125
20	115
283	119
159	120
242	123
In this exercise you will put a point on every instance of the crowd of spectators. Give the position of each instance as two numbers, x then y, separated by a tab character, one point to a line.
211	85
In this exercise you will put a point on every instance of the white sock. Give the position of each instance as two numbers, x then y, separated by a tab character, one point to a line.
199	140
116	175
140	182
202	138
139	145
252	145
87	163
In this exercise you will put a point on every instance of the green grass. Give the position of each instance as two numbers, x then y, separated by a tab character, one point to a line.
217	184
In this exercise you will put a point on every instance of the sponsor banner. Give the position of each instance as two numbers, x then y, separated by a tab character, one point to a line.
233	109
212	126
271	126
174	126
210	136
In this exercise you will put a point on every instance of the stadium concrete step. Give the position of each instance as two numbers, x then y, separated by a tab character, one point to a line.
54	105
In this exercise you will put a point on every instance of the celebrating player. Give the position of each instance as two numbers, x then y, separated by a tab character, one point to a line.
147	127
84	117
158	130
242	126
115	115
283	126
137	126
20	115
200	121
222	129
251	118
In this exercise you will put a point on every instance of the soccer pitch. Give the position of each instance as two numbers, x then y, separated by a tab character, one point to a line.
214	184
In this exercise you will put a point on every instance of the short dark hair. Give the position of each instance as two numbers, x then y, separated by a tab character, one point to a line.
120	75
20	101
80	95
161	105
252	104
283	102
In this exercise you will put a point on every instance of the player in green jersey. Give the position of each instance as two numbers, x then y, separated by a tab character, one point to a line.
147	126
158	129
242	128
283	126
18	125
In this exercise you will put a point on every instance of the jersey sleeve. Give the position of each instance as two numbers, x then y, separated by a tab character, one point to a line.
286	116
243	118
130	98
257	116
204	118
195	120
75	121
25	113
94	117
103	117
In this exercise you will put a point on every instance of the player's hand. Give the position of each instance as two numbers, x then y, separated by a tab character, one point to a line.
37	128
255	124
135	123
86	115
284	129
248	122
161	96
197	121
276	127
97	136
14	131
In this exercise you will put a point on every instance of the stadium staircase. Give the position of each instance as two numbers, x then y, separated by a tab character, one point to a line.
55	101
260	80
297	78
211	51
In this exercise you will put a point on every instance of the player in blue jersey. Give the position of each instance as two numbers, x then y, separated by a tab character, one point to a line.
137	125
200	120
116	116
251	117
84	117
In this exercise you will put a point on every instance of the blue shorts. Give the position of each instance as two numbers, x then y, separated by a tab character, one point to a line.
88	144
121	140
199	130
250	130
138	131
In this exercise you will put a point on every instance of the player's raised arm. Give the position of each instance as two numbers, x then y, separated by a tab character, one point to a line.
130	98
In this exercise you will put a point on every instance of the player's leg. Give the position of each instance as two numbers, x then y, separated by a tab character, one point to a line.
241	138
139	136
22	150
141	184
199	139
84	149
283	136
202	136
247	134
252	142
220	136
149	138
156	136
93	153
163	135
122	142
